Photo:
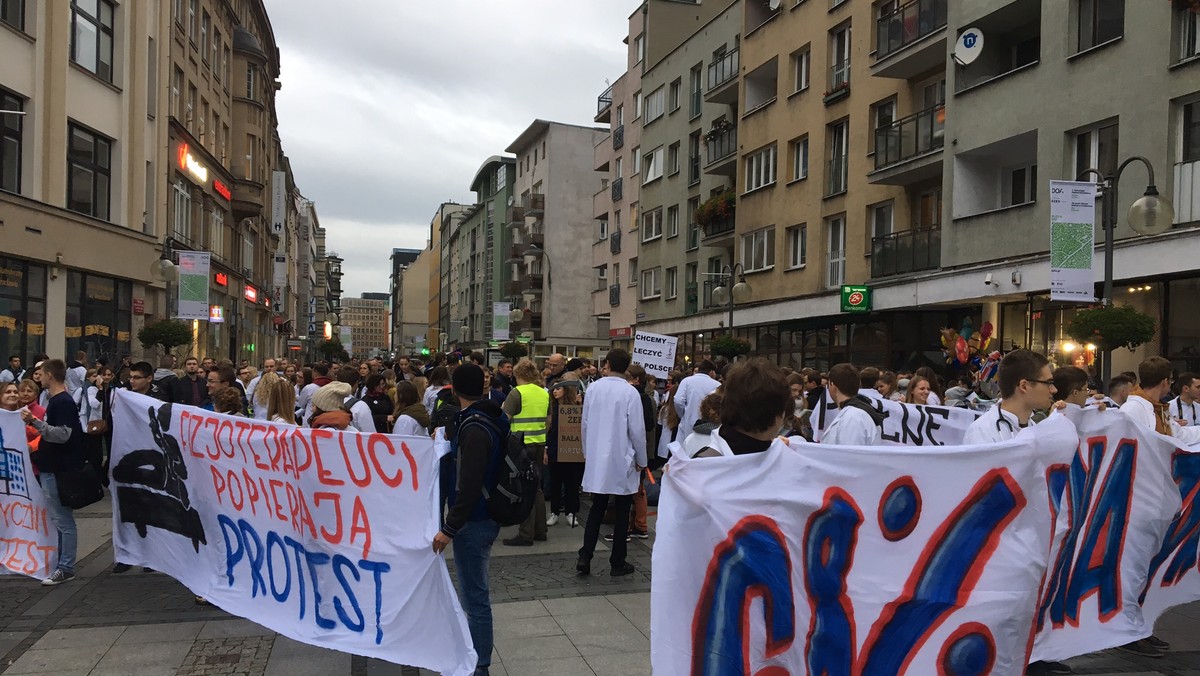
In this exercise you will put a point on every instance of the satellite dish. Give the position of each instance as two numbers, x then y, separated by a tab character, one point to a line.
773	4
969	46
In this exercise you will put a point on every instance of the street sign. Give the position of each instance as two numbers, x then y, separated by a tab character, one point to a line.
856	299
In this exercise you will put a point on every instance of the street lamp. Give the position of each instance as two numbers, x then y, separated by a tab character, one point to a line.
740	293
164	269
1149	215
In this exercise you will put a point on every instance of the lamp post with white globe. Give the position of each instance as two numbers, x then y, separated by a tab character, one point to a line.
1150	214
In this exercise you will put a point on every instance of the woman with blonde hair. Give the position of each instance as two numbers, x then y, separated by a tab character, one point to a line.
262	394
919	391
281	400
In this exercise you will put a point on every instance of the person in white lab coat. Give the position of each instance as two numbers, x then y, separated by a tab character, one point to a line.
868	379
756	402
691	391
1185	406
1026	385
614	447
360	413
857	422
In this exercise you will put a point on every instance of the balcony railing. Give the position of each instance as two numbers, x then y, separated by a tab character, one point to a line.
618	137
614	294
533	281
723	69
618	189
839	77
907	24
535	204
614	242
908	251
719	227
837	175
911	136
722	145
604	101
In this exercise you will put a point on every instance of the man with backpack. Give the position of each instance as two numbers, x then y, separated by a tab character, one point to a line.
478	440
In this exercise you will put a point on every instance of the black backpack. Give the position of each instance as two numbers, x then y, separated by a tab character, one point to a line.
512	481
445	410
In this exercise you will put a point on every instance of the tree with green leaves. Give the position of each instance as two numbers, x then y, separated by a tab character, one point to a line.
165	333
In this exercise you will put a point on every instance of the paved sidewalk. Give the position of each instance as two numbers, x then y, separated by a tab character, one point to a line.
548	620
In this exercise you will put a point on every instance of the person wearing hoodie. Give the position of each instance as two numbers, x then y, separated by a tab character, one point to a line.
166	381
857	422
77	372
329	411
411	417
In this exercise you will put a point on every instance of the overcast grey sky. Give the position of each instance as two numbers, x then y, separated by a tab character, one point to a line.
388	107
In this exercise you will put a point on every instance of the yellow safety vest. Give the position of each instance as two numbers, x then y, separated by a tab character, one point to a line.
530	421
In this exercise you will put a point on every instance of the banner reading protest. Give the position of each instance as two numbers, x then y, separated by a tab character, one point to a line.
655	353
28	540
905	424
321	535
879	560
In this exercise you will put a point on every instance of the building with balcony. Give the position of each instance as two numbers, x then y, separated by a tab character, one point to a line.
616	203
553	212
438	303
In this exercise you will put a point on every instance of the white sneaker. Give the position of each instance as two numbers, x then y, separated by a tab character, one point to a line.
552	520
573	520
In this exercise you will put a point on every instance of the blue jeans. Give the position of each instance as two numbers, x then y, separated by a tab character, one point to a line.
64	520
472	549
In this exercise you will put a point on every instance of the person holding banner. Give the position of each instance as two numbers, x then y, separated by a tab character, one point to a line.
1026	385
690	392
565	477
755	401
1184	407
858	421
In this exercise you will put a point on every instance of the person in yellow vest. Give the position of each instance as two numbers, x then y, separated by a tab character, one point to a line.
527	405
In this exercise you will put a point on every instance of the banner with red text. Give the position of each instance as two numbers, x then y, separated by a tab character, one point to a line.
28	540
321	535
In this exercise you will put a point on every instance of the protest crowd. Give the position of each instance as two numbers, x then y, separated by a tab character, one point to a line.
596	435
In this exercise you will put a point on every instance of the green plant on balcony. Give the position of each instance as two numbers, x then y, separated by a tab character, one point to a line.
729	347
1111	327
719	127
716	209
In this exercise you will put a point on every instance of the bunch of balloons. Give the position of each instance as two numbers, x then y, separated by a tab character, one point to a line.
967	346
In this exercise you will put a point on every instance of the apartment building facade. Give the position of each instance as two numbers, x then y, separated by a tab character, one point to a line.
552	215
401	259
368	320
411	317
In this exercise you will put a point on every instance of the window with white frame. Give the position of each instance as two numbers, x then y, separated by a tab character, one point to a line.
672	282
673	220
651	283
603	230
800	158
193	10
656	105
181	192
836	253
801	67
634	214
797	246
601	277
839	164
653	165
1096	148
1191	132
674	93
758	250
216	233
633	271
248	255
1187	23
639	46
1100	21
1020	185
760	168
616	224
839	56
652	224
637	105
695	96
636	158
673	159
881	220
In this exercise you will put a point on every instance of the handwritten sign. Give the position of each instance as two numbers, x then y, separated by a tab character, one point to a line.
905	424
28	540
655	353
570	433
321	535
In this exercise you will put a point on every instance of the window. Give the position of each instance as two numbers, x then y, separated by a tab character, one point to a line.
652	225
205	29
673	94
616	220
651	284
601	277
216	233
797	246
227	64
616	273
837	252
248	255
760	168
672	282
881	221
203	127
637	105
250	77
655	105
801	63
251	142
758	250
634	215
1022	185
1191	132
603	230
10	142
193	14
839	138
216	55
190	111
653	165
695	98
89	172
1188	26
673	159
633	272
1100	21
1096	148
928	208
619	168
639	46
694	158
177	12
883	114
92	36
839	56
12	12
673	220
799	158
636	158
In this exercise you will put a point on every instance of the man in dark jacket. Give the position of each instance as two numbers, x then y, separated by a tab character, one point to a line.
142	381
165	380
481	429
61	450
191	388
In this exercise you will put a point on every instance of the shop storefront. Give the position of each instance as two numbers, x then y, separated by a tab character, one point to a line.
99	316
22	308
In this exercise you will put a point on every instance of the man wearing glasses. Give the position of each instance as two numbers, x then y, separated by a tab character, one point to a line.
141	380
1026	385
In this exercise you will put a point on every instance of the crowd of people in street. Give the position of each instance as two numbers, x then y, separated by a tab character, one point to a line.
630	426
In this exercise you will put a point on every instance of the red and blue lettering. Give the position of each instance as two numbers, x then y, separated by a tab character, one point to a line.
1183	536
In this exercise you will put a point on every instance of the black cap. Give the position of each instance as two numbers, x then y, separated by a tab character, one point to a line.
575	364
467	380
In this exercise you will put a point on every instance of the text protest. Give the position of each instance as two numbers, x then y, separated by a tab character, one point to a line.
319	534
654	352
28	539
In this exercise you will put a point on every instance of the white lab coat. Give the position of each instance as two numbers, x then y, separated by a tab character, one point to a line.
91	408
406	425
692	390
870	393
614	437
995	424
304	401
76	377
1141	411
696	443
852	427
361	418
1189	412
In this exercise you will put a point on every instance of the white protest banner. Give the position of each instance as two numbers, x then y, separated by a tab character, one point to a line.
321	535
1173	577
811	560
28	540
1118	499
655	353
905	424
1072	239
193	284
